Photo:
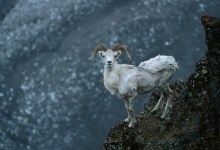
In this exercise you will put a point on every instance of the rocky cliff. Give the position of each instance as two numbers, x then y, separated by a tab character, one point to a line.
193	120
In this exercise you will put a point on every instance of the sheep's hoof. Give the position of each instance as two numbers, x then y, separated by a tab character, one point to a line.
163	116
156	108
127	120
132	123
153	111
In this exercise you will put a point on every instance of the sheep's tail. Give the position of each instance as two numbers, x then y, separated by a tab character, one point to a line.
160	63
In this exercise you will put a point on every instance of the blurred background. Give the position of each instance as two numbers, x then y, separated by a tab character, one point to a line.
51	96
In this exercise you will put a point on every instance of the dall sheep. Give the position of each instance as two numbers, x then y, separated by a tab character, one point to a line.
129	81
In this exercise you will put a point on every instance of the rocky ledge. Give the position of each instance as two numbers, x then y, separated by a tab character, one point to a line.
193	121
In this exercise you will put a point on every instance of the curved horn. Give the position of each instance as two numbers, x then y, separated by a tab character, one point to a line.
100	47
122	48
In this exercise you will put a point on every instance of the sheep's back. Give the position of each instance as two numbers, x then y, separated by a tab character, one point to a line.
159	63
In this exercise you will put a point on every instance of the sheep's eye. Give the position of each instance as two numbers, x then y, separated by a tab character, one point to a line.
102	55
116	56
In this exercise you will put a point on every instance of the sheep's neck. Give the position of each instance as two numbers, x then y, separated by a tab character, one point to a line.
111	78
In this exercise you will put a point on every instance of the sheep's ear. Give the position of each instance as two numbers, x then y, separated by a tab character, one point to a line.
101	54
118	53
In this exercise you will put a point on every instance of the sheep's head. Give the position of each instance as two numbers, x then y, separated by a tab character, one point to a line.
109	56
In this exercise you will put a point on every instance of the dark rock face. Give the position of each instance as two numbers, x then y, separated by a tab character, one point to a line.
212	28
193	122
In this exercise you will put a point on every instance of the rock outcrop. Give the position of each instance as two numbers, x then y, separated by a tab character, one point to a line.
193	121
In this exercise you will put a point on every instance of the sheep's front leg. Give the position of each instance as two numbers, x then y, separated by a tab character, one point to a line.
166	109
159	103
131	112
126	106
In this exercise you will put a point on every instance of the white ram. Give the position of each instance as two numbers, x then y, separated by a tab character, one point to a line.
128	81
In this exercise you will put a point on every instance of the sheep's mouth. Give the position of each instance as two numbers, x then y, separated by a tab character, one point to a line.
109	65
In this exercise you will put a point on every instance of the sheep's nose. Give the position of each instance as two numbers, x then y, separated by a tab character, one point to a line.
109	62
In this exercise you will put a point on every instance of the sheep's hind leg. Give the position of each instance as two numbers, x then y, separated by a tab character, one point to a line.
168	102
159	103
169	89
126	106
166	109
133	121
